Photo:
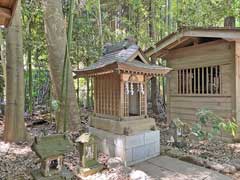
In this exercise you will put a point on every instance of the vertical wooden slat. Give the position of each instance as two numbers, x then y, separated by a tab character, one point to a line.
211	81
184	81
190	79
198	80
105	95
220	79
194	81
178	81
145	97
95	95
113	96
207	79
203	83
110	96
187	83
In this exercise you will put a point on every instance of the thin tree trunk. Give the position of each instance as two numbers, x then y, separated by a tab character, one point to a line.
154	86
56	44
15	129
30	74
100	23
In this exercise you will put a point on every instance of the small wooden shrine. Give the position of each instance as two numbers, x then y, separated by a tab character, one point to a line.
120	92
50	150
120	120
7	9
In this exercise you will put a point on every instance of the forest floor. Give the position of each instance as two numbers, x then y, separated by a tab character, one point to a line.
217	154
18	160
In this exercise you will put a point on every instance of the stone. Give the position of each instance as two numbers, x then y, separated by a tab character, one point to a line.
65	174
235	163
88	155
135	141
114	162
223	168
132	148
228	169
90	170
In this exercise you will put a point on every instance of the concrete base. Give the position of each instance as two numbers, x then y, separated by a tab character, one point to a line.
131	149
125	127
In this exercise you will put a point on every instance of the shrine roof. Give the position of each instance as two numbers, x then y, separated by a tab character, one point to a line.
123	56
51	146
7	9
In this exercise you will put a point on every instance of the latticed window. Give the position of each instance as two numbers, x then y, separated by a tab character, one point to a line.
200	80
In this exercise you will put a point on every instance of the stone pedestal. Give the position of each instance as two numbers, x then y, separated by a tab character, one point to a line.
65	174
131	149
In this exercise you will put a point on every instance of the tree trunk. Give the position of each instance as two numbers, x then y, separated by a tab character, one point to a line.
15	129
154	86
30	74
100	23
56	44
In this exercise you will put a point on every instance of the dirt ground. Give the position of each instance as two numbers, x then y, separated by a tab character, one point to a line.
18	160
217	154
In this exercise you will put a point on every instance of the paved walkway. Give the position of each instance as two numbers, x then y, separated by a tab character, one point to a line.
167	168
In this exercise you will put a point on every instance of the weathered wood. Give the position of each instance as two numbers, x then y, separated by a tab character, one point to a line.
7	11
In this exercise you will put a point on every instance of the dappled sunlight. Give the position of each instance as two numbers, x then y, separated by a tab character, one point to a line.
14	149
235	147
138	175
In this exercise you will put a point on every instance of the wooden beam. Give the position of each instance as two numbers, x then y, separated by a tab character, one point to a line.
5	13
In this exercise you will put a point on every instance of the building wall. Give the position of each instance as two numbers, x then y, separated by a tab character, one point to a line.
185	106
107	94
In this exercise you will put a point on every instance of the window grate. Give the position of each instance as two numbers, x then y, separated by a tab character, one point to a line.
200	80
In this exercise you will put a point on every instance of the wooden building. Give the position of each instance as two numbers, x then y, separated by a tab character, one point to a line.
206	71
120	78
120	120
7	9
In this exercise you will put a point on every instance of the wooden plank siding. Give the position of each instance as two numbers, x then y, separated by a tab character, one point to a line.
185	106
107	94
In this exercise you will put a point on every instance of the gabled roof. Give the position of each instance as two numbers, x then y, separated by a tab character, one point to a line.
122	56
51	146
7	9
184	34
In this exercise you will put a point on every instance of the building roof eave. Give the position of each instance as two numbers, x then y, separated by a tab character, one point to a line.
176	37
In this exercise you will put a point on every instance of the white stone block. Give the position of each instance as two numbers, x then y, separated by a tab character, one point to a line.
157	147
139	153
131	149
134	140
129	155
150	149
152	136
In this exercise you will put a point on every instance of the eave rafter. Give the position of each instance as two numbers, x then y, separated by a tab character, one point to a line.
5	12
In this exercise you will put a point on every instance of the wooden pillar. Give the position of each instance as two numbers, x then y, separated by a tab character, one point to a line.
237	81
121	102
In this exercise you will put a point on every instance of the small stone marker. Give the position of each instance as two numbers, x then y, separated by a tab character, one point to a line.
50	150
88	155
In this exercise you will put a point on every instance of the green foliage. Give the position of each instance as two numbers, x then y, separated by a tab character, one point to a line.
119	19
207	118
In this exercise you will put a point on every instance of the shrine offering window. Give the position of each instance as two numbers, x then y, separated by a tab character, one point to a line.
199	80
134	99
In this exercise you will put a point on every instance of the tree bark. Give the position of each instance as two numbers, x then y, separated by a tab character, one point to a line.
30	73
154	86
15	129
56	43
